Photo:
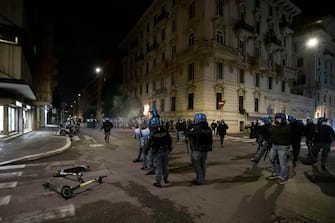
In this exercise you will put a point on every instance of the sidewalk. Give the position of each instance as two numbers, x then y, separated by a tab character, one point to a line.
37	144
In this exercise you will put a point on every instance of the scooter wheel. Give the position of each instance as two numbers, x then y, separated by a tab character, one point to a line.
66	192
62	133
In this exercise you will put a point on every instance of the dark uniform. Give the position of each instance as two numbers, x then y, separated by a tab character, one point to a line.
161	144
107	126
322	137
201	143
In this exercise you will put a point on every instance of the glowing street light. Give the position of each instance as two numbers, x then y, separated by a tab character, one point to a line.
97	70
312	42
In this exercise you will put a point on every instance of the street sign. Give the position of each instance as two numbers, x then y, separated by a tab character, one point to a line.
221	103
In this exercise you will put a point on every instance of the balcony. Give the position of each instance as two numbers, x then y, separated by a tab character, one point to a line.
152	47
241	25
161	17
161	90
270	38
285	26
139	57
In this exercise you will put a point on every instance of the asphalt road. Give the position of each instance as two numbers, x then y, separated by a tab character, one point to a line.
236	189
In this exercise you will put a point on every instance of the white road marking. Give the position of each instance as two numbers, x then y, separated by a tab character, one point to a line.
4	201
96	145
87	137
10	174
10	167
7	185
45	215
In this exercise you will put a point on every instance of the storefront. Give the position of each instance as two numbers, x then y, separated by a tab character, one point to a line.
16	110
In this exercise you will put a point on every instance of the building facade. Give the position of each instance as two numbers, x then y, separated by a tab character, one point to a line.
315	61
229	59
25	87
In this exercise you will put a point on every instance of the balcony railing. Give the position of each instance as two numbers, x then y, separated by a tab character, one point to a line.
245	26
161	17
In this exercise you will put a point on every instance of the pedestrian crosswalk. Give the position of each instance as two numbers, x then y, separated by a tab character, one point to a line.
11	181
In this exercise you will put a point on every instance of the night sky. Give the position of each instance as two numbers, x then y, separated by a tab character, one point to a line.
87	34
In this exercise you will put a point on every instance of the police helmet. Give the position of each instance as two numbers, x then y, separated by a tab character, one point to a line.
322	121
200	117
309	121
291	119
281	116
264	121
155	121
154	111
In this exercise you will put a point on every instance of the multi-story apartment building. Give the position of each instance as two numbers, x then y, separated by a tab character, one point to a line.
16	94
315	61
191	56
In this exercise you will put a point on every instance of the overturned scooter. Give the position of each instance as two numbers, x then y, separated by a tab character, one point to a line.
66	191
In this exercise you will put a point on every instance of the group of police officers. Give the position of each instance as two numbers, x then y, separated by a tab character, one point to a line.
274	139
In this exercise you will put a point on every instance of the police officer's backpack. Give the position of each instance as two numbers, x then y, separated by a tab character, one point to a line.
204	139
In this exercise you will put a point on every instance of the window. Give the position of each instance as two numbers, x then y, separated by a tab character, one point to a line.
174	25
190	101
154	104
162	105
240	104
140	89
163	34
257	3
219	37
283	86
153	85
135	92
218	99
173	79
241	76
300	62
242	47
257	80
257	50
219	71
163	56
256	104
191	72
219	7
147	67
173	104
258	27
173	52
147	88
148	27
190	39
191	10
270	83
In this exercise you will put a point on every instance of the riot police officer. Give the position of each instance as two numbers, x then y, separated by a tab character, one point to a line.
161	144
323	136
201	142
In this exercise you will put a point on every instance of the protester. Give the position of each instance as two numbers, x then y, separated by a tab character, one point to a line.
107	126
280	139
222	131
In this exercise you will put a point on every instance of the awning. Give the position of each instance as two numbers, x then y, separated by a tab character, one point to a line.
17	87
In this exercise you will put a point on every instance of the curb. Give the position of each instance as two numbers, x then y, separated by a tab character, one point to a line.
40	155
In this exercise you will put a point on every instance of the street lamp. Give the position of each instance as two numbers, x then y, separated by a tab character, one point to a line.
312	42
97	70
